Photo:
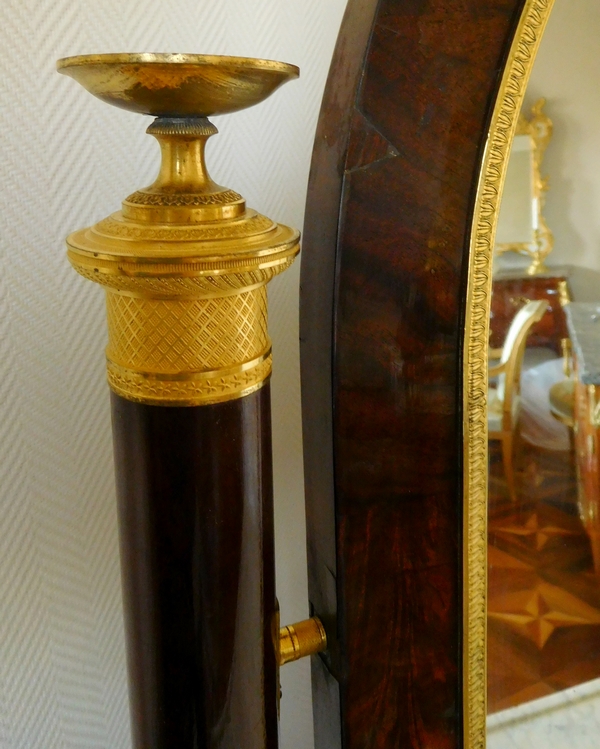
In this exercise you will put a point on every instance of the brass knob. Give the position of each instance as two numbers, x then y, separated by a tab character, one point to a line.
299	640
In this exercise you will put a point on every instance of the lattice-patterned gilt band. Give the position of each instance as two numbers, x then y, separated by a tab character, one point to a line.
186	333
185	267
188	350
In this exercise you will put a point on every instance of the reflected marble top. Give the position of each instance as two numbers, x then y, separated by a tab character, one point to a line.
553	271
583	321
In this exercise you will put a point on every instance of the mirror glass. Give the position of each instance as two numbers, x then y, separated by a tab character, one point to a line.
544	406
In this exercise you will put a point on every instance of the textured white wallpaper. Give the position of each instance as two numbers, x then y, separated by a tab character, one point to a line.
68	160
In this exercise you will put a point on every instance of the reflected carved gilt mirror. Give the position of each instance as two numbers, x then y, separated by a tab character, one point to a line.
522	228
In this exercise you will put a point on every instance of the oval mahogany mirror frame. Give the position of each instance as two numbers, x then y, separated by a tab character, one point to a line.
410	156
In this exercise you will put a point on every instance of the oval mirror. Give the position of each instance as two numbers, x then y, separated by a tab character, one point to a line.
543	412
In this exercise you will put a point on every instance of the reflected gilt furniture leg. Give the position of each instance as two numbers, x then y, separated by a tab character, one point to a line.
185	266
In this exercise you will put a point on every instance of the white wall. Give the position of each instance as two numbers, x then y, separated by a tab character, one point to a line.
567	73
68	161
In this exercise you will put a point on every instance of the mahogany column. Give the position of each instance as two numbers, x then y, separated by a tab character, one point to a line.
185	265
194	490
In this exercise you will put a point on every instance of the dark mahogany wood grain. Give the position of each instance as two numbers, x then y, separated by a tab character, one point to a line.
194	489
389	213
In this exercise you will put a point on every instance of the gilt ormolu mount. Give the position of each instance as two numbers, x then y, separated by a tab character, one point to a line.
185	265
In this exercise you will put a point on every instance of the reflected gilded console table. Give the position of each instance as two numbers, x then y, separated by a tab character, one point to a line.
583	322
514	288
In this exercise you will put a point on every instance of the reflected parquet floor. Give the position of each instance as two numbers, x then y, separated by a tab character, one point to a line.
544	596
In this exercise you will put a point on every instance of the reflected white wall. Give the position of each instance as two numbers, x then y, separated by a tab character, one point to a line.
566	72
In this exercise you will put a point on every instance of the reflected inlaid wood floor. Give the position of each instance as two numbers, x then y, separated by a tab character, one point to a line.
544	597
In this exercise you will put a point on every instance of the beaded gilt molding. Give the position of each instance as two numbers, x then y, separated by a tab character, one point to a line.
475	372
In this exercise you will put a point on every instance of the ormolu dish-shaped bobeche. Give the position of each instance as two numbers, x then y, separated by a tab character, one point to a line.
185	262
